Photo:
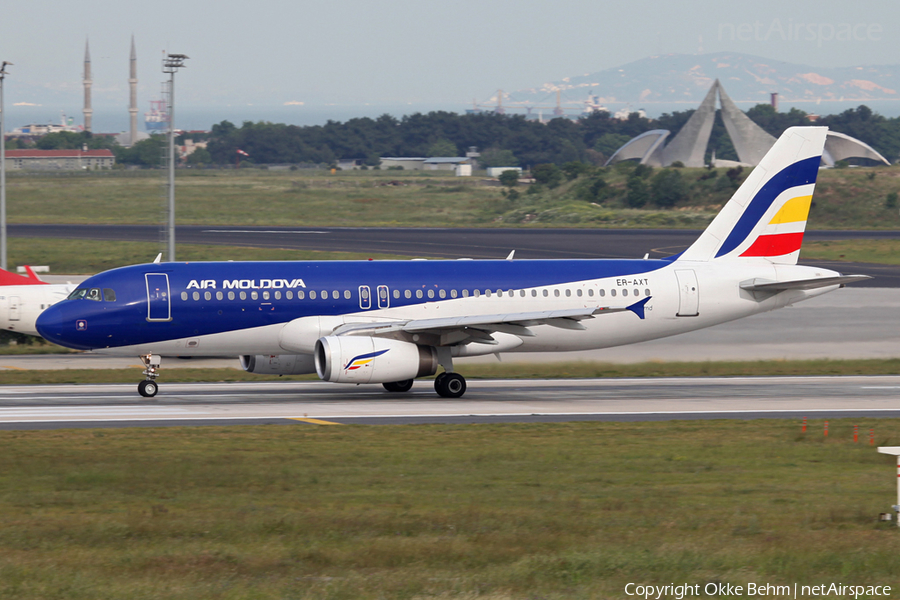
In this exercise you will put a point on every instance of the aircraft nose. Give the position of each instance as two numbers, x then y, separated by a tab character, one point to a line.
50	325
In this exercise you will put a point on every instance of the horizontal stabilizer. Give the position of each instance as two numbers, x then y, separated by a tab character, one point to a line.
638	307
763	285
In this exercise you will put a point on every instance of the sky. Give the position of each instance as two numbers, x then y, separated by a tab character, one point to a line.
305	55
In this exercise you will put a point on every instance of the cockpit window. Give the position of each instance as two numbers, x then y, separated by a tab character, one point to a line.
93	294
77	294
109	295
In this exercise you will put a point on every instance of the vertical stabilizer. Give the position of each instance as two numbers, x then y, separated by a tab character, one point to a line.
766	217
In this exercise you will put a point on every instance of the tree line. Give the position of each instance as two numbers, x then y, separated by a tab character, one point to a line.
502	140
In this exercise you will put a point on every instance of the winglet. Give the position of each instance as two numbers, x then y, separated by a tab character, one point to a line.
638	307
32	274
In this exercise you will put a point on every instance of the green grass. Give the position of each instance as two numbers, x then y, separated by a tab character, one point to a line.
92	256
845	199
885	252
551	511
491	371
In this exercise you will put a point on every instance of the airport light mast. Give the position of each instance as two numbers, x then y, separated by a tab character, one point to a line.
171	64
2	170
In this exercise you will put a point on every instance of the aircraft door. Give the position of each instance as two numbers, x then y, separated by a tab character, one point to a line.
384	300
688	293
14	314
158	302
365	297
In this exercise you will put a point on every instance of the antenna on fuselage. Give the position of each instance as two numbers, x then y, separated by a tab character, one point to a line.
157	259
511	254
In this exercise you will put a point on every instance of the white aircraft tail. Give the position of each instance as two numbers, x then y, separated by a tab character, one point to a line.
766	216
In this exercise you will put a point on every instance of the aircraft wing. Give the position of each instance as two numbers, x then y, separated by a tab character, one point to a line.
762	285
478	328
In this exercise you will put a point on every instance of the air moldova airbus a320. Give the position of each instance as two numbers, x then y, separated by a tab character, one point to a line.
390	322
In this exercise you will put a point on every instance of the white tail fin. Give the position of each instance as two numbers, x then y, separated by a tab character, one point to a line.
766	216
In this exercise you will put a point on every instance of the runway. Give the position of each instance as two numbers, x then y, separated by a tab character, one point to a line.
487	401
454	243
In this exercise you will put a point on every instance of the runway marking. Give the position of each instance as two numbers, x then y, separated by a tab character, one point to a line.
262	231
314	421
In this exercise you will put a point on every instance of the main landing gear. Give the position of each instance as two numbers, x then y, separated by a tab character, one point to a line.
149	387
398	386
450	385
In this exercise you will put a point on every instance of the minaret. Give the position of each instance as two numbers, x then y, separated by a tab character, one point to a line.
88	111
132	83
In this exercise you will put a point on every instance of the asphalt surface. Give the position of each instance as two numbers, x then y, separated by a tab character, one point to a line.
454	243
486	401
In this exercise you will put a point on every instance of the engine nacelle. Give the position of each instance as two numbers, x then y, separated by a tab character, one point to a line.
350	359
279	364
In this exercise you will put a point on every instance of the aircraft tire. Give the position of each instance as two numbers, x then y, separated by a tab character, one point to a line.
450	385
398	386
147	388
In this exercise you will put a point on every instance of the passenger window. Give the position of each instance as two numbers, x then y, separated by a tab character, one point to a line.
254	296
442	293
396	294
431	293
335	294
487	293
301	295
602	293
647	292
93	294
407	294
184	295
207	295
219	295
453	293
243	295
289	295
637	293
346	294
418	293
591	292
196	295
612	292
545	293
477	293
277	295
556	293
312	295
499	293
521	293
231	295
265	296
465	293
109	295
568	293
578	293
624	292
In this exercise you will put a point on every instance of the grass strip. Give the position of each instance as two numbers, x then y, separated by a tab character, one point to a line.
551	511
579	370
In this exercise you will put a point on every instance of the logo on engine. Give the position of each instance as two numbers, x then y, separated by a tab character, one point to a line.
362	360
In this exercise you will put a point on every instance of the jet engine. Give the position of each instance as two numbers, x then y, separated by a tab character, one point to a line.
279	364
351	359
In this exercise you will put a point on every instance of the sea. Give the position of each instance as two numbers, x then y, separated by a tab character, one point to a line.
114	119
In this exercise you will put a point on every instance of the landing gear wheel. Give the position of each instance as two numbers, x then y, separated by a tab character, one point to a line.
450	385
398	386
147	388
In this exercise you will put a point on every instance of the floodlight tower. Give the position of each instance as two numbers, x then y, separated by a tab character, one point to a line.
2	171
171	64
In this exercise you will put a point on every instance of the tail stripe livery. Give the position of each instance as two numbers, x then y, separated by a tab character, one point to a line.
800	173
766	216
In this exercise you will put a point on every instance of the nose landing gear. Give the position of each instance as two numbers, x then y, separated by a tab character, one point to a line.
149	387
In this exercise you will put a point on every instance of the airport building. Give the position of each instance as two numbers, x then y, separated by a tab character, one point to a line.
751	142
59	160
